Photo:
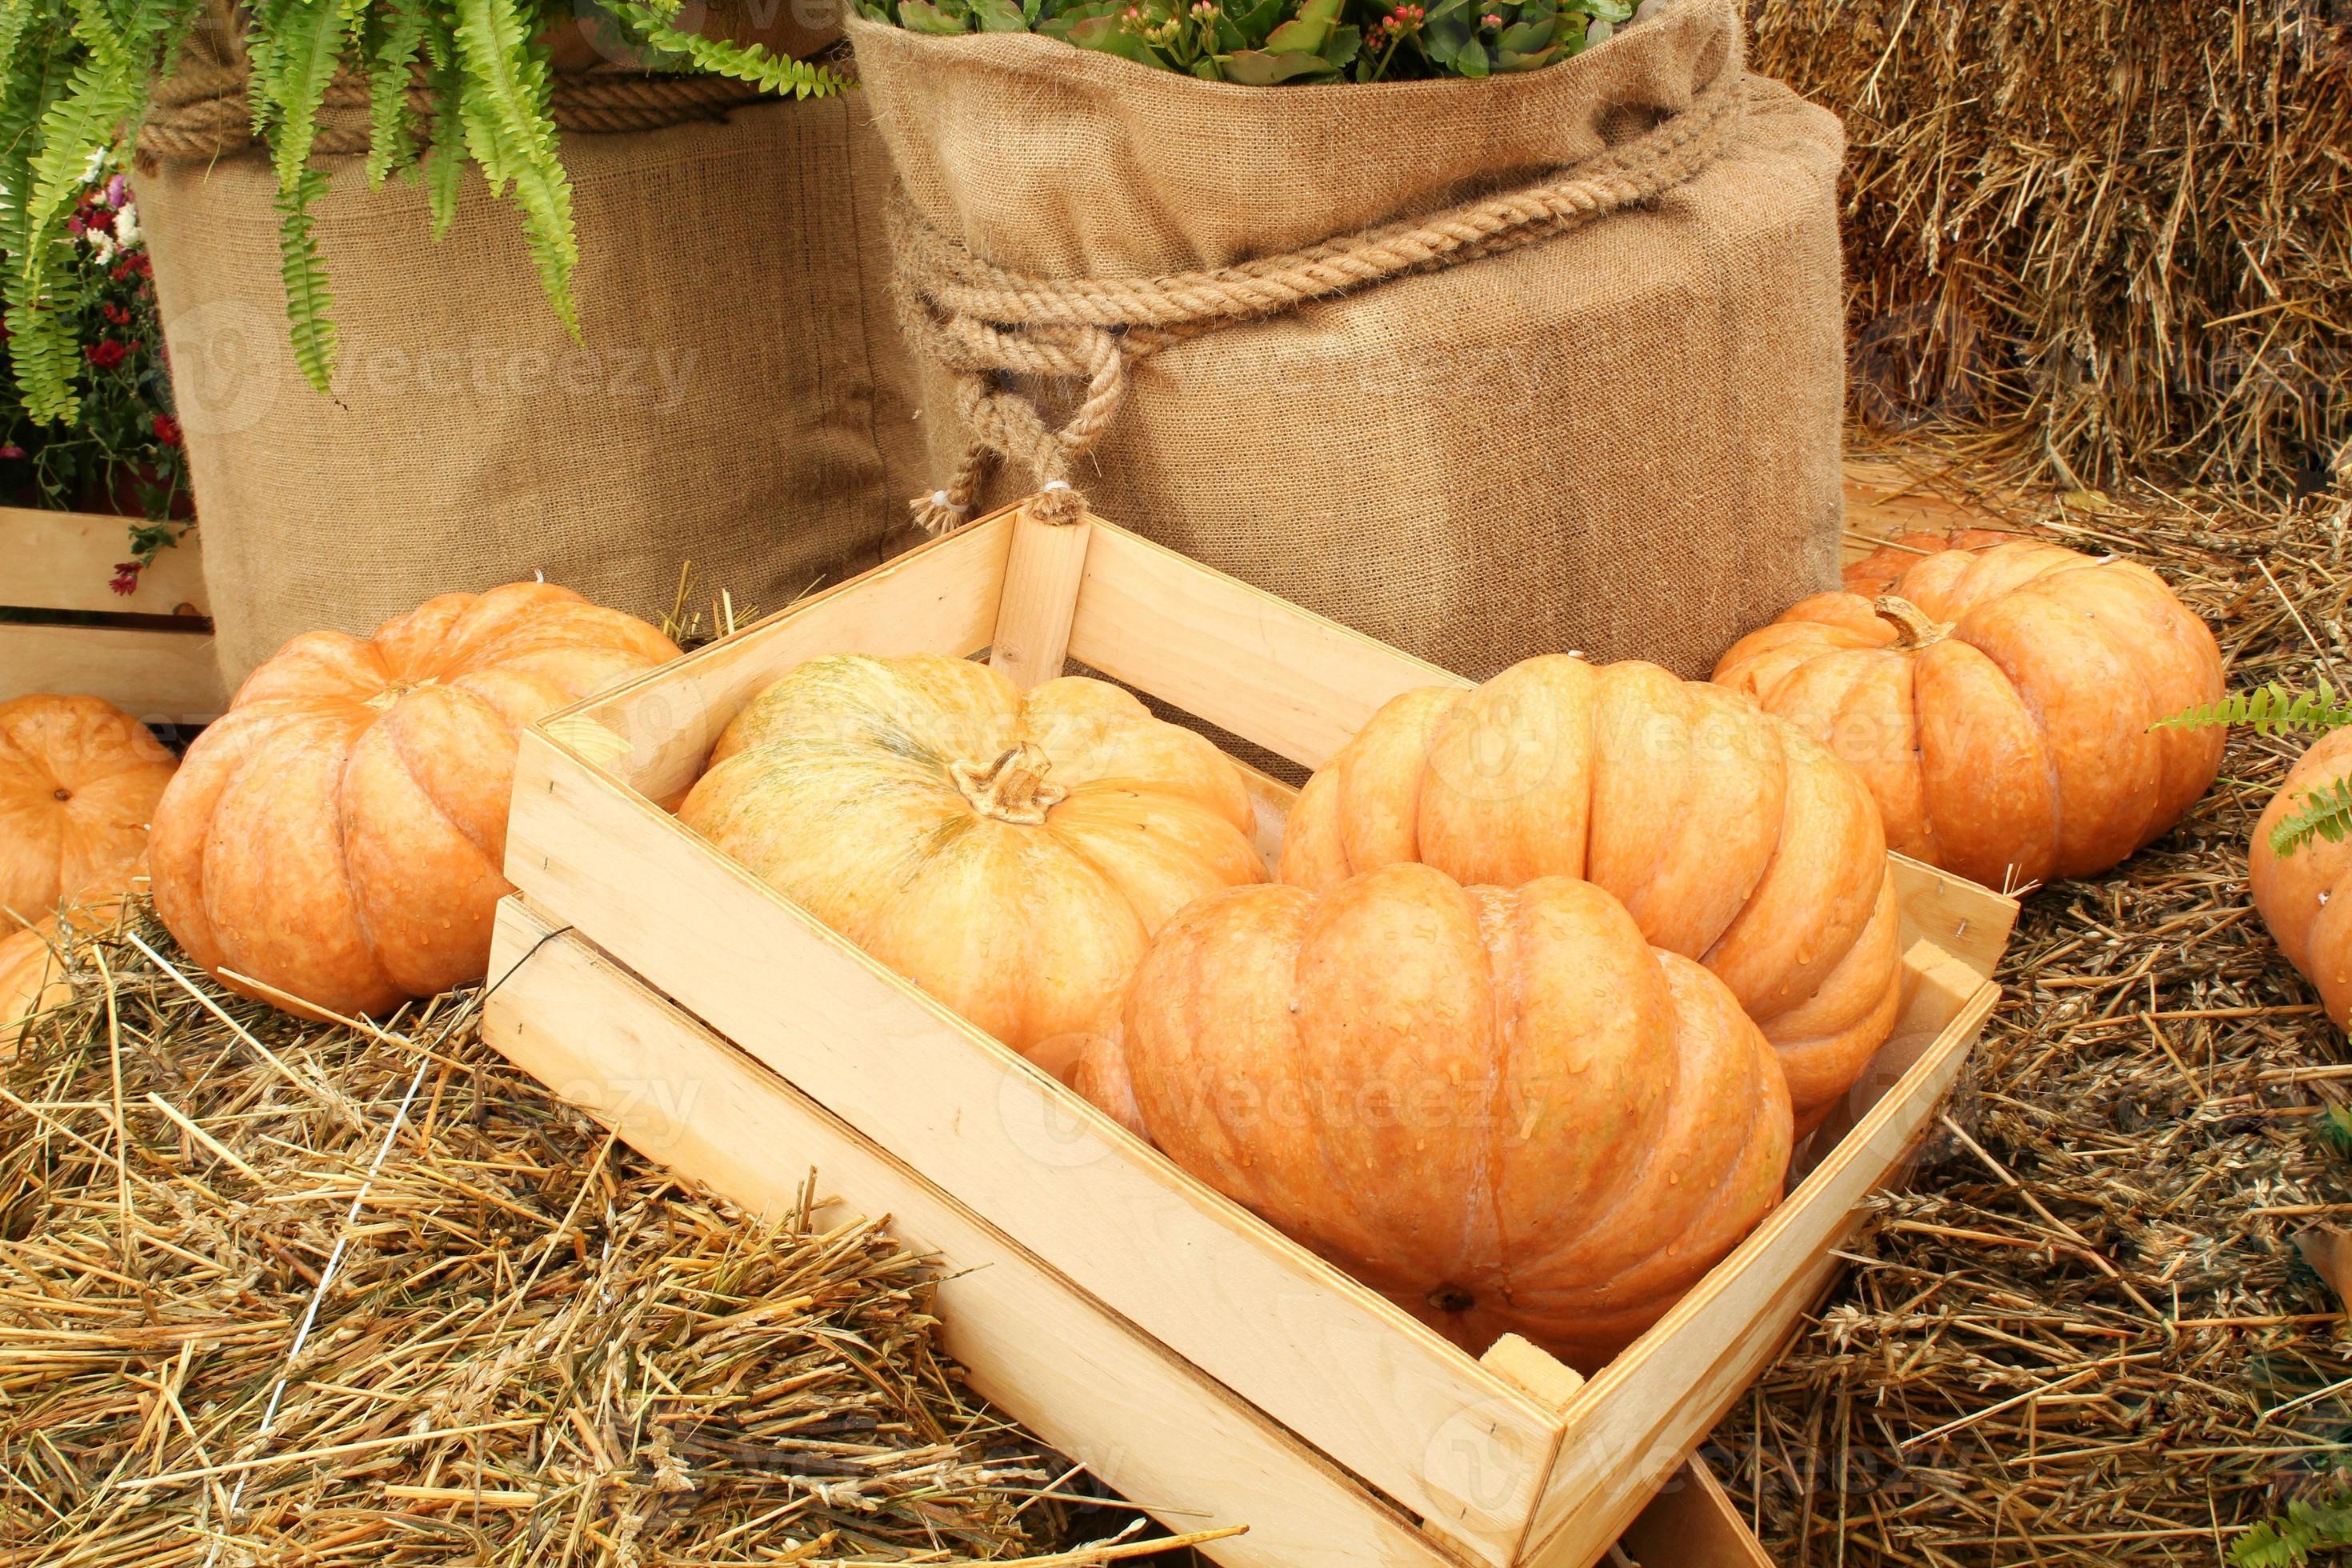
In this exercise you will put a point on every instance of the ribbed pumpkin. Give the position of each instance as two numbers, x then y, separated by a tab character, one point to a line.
2306	898
1009	853
1730	838
1998	699
1505	1110
79	783
338	835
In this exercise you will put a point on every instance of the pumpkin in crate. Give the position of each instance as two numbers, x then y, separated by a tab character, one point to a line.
1008	852
1504	1109
338	834
1998	701
79	783
2305	895
1730	837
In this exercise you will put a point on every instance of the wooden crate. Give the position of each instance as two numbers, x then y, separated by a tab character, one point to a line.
1282	1392
151	654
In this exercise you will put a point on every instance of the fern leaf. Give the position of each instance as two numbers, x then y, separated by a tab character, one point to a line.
2324	812
308	46
309	304
396	39
2271	710
16	16
503	99
655	22
2288	1540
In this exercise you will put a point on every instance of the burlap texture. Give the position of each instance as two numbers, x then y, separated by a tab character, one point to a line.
741	399
1622	438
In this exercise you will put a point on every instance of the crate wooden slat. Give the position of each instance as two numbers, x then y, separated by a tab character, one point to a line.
1493	1461
62	561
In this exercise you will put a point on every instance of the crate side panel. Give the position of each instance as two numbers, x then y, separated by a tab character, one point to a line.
66	561
1323	1355
1035	1345
1259	667
161	676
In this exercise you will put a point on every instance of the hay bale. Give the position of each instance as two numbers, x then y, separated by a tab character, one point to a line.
273	1292
2120	233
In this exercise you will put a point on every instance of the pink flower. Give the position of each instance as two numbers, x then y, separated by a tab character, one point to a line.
125	579
117	192
12	450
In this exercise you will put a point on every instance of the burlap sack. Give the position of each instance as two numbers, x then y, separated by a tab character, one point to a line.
1481	368
741	399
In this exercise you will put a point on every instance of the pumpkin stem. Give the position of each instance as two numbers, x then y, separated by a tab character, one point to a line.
1912	621
1012	788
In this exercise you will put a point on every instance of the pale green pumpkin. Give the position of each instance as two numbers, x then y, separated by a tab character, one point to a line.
1010	853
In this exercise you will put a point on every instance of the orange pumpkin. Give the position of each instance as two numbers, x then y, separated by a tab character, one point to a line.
1998	699
1010	853
32	972
79	783
1505	1110
1729	837
338	835
2306	898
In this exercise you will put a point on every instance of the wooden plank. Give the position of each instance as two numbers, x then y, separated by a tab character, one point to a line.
162	677
1260	666
1041	596
64	561
1693	1523
1349	1371
1970	922
1641	1413
939	597
1036	1345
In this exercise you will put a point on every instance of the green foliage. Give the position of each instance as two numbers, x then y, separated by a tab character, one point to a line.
2290	1540
2271	710
2333	1130
1263	43
79	72
2324	812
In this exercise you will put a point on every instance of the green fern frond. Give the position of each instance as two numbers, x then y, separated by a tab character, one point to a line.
2271	710
16	16
655	21
2289	1540
395	43
511	130
308	303
2324	812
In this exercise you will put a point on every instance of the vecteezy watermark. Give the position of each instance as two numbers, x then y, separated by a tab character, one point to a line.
233	367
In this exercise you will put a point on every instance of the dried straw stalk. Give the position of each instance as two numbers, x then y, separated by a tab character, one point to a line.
2119	233
531	1346
2086	1336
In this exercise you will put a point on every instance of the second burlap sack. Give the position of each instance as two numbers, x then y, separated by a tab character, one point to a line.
1542	361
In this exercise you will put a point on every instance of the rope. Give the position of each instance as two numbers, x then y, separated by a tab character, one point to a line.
211	116
985	324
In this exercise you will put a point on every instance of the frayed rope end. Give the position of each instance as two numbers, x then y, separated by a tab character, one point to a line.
938	512
1058	503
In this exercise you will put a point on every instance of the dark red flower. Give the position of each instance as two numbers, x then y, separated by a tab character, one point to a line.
12	450
167	430
116	313
125	579
106	354
74	226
